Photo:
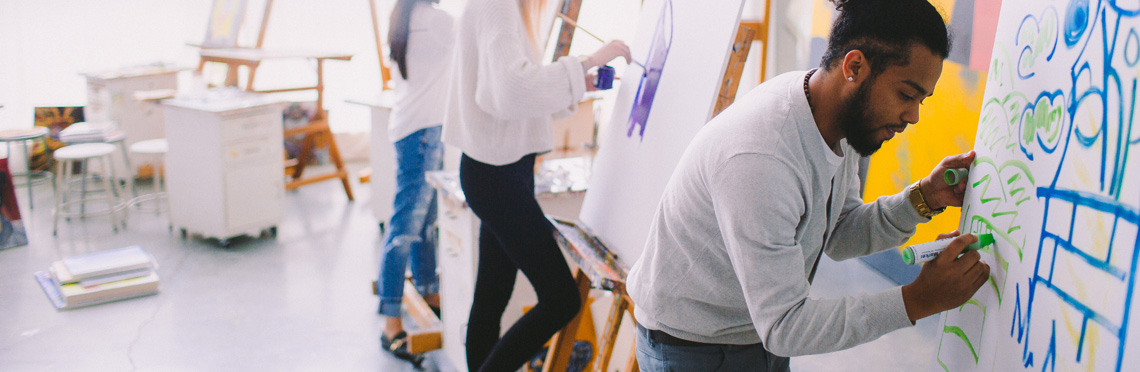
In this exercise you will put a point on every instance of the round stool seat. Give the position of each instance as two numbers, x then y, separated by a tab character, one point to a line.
151	146
83	151
22	134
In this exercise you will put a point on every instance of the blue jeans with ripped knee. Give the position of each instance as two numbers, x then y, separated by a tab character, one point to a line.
410	235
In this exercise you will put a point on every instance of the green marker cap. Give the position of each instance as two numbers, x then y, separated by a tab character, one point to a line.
954	176
908	256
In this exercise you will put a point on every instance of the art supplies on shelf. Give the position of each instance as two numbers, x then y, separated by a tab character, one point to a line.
99	277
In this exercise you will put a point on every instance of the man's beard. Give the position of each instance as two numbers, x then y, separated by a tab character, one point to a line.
855	120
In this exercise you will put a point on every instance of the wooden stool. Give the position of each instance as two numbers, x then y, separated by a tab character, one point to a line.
70	156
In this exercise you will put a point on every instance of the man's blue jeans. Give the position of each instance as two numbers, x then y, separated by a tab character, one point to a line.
410	230
654	356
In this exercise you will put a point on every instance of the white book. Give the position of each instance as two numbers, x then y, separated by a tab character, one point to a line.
108	262
114	277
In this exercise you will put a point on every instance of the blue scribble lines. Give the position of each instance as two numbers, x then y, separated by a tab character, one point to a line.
1036	36
1054	183
1079	205
1076	21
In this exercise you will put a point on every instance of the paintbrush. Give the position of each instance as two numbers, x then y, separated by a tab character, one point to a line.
575	25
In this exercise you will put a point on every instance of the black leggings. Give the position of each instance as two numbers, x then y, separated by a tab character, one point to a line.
514	235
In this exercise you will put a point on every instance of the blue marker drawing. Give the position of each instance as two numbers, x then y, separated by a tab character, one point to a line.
1055	183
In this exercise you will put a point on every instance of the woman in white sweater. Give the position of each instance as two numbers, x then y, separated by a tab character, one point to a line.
501	106
421	39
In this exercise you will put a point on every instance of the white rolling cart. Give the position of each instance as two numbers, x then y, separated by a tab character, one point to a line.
224	164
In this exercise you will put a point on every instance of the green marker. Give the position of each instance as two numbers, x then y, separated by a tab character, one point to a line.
954	176
920	253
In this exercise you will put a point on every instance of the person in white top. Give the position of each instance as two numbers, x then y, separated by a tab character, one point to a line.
501	106
421	40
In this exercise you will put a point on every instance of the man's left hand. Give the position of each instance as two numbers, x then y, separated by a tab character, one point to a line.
934	189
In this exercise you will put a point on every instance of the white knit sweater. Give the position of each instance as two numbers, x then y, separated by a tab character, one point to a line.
502	99
420	98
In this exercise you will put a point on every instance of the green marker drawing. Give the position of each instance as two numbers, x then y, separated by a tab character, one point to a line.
954	176
920	253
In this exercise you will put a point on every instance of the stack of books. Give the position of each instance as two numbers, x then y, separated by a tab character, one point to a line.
99	277
83	132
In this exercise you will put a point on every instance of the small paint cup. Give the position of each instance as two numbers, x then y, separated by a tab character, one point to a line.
605	78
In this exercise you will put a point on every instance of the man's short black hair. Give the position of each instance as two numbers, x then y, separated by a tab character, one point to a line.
884	30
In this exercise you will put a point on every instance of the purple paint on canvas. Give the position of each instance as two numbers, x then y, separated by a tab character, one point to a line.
655	63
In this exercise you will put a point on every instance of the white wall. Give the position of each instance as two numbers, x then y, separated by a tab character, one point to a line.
45	44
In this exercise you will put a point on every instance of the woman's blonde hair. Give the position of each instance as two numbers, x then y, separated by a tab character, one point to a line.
531	11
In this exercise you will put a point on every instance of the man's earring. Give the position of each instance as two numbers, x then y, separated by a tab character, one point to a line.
851	78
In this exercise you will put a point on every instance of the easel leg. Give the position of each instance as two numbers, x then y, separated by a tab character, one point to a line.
231	75
609	335
303	156
334	154
563	343
631	364
249	80
427	335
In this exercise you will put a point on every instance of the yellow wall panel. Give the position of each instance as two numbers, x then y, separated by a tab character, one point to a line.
947	126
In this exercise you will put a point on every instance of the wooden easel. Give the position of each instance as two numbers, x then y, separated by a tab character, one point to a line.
385	72
762	36
318	127
365	175
597	265
731	81
232	70
428	333
566	33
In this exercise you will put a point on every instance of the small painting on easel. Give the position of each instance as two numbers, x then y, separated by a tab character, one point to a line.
55	119
12	233
225	22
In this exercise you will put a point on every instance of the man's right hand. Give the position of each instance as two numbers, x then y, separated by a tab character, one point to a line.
946	282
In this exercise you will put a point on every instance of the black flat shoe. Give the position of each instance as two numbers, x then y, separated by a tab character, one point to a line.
398	346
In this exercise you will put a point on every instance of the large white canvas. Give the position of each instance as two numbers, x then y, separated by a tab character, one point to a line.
1057	181
631	170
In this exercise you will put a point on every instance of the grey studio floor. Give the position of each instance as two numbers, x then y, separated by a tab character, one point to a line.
300	302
